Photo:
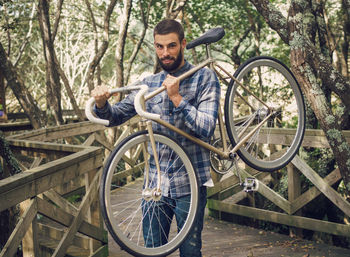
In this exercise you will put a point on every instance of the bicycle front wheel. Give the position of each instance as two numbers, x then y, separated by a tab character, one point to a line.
265	89
142	222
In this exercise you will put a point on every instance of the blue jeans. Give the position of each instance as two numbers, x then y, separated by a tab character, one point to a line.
157	221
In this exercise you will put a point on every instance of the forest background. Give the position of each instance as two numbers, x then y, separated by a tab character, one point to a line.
53	53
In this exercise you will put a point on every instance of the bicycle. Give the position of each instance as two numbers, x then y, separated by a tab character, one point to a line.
253	113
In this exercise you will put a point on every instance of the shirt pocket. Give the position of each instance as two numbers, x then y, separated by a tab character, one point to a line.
155	105
190	96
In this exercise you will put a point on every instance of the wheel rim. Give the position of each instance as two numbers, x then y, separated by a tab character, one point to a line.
279	89
126	208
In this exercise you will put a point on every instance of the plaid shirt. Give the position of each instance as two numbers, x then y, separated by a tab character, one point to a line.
196	115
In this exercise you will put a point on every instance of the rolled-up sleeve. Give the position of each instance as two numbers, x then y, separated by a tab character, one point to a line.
118	113
201	119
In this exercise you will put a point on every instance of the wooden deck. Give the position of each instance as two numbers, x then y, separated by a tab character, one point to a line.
224	239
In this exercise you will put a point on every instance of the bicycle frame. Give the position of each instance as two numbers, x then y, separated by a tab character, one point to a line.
223	153
140	100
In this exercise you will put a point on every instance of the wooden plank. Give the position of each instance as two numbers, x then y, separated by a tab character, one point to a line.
78	219
281	218
15	126
103	142
22	186
36	162
267	192
236	197
263	177
30	245
52	167
236	192
18	233
47	146
64	218
294	191
67	130
312	137
222	185
101	252
313	192
125	173
61	202
89	141
326	189
124	134
53	231
62	131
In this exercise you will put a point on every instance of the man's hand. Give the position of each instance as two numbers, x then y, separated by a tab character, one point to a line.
101	95
172	85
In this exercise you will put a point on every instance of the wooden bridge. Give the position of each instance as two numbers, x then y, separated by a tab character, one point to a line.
63	161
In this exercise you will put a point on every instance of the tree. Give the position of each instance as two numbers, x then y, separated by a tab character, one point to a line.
22	94
99	52
53	84
302	31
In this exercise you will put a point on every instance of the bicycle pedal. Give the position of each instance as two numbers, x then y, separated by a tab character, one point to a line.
250	185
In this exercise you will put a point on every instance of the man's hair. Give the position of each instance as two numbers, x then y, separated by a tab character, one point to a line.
167	26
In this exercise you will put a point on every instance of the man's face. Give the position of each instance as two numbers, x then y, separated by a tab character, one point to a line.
169	51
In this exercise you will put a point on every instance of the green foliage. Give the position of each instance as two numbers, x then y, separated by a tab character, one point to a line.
75	39
75	198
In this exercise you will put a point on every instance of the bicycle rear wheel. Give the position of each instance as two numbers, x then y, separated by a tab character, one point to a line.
275	143
138	220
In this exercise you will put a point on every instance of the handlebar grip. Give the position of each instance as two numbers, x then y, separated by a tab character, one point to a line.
88	112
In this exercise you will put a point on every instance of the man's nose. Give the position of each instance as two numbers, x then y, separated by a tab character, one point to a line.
165	51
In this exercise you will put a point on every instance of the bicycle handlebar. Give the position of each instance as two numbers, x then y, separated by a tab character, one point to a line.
140	96
88	112
138	104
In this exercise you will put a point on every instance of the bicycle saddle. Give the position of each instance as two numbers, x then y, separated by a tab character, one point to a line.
211	36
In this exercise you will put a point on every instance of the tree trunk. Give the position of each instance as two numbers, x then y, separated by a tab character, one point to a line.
119	53
306	62
3	116
53	79
310	65
145	15
69	91
174	8
101	51
22	94
346	45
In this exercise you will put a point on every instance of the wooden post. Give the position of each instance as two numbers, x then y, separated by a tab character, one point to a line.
93	214
294	190
30	242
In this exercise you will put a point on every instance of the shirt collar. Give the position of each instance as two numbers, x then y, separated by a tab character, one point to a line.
186	67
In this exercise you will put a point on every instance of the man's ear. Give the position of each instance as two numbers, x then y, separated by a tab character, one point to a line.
184	43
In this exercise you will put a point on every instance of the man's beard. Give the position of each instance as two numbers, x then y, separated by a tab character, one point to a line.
174	65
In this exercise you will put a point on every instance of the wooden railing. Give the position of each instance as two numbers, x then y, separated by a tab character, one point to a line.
57	169
225	196
49	224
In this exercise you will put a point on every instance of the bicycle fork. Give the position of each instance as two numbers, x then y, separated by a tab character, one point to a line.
151	194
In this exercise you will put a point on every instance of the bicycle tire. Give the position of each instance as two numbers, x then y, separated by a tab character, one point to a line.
123	207
275	84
